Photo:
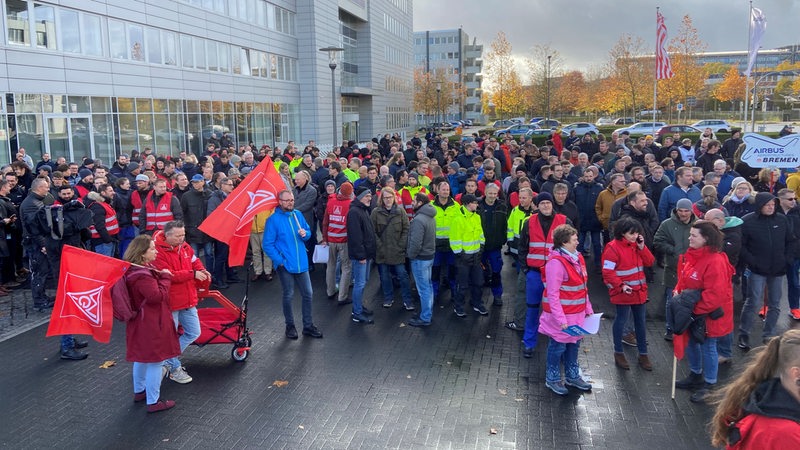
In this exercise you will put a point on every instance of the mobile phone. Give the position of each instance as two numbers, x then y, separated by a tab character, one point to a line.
640	239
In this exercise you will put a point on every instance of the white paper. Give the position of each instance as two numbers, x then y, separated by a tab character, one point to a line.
592	323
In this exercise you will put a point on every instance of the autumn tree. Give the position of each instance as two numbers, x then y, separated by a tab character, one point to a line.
544	58
427	100
631	73
689	76
569	93
501	78
731	88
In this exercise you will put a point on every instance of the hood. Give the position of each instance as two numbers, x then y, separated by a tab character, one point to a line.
427	210
732	222
762	198
92	195
771	399
161	241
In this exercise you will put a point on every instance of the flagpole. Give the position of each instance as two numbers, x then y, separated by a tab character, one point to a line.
655	76
747	80
674	374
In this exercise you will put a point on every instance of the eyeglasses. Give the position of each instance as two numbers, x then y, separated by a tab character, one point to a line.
793	199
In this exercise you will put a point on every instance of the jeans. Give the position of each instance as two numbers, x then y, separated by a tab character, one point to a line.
147	377
533	298
208	252
126	235
360	273
421	268
755	286
470	278
447	259
493	261
703	356
190	322
385	271
638	324
725	345
105	249
558	352
793	284
597	248
303	282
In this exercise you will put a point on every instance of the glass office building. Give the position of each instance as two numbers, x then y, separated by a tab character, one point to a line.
97	78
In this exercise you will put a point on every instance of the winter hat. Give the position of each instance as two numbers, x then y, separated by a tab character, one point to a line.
684	203
132	166
413	175
331	182
454	165
362	192
83	173
466	199
197	177
46	167
141	177
736	181
346	189
544	197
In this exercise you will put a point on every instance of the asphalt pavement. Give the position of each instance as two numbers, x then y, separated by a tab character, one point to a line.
459	384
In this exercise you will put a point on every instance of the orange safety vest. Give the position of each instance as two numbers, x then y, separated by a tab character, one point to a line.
539	246
573	292
136	202
112	226
158	215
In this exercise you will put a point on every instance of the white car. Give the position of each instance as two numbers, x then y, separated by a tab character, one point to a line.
717	126
580	128
604	121
642	128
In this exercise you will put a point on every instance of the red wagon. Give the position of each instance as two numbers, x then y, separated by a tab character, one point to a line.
224	324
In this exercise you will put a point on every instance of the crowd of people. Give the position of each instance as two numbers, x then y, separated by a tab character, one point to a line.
436	216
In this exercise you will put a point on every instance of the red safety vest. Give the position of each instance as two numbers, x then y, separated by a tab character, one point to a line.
158	215
573	292
136	202
337	219
539	246
112	226
81	190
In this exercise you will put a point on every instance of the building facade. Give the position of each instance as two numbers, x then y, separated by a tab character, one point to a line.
452	52
94	78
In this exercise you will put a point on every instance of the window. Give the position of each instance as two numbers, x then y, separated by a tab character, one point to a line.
45	19
154	46
223	52
187	52
116	33
211	52
136	36
17	22
70	31
254	62
244	56
92	35
199	53
264	65
170	48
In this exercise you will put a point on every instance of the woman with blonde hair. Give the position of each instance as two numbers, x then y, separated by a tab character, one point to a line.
741	198
761	408
769	181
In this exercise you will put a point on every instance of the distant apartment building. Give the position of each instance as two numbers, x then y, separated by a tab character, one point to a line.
452	52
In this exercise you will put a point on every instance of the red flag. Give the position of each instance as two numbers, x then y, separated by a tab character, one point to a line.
663	66
83	294
230	222
679	343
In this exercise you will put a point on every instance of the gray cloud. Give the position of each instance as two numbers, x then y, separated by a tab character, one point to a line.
583	31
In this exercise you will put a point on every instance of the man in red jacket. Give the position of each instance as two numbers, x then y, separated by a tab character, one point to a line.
175	254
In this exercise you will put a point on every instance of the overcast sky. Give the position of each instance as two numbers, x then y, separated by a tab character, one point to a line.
583	31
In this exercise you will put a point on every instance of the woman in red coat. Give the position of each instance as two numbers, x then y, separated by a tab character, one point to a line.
624	260
150	336
761	408
705	267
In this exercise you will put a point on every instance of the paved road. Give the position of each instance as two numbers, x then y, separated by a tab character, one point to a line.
377	386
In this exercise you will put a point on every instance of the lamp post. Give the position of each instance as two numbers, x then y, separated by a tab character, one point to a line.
438	104
547	101
333	54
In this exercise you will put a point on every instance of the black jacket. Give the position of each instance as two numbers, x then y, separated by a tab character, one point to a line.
72	230
766	240
794	222
585	198
494	220
361	241
194	205
27	210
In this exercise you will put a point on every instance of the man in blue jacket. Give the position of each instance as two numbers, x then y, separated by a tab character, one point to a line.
284	236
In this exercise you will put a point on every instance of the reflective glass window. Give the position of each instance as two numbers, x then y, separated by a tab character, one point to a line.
70	31
45	18
18	22
92	35
154	46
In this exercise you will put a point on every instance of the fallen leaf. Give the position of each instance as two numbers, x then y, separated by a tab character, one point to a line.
502	391
301	427
492	430
585	350
408	376
279	383
108	364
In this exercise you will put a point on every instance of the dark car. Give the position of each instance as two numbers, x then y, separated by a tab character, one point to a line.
669	130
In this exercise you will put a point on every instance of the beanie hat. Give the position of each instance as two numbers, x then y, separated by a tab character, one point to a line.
83	173
362	192
736	181
346	189
413	175
132	166
454	165
331	182
544	197
684	203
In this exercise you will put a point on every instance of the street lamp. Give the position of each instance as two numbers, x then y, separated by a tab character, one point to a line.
547	101
438	104
333	54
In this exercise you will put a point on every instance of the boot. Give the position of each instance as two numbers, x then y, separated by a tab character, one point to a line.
699	396
620	361
644	363
693	381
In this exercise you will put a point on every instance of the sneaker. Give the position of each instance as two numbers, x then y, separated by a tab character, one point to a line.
366	311
388	303
630	339
361	318
480	309
578	383
557	387
498	301
409	307
744	342
417	322
459	311
180	376
162	405
794	314
668	335
763	312
313	332
513	326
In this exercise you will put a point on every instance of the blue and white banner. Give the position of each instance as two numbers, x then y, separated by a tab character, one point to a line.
763	151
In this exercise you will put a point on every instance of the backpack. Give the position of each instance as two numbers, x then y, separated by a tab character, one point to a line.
121	301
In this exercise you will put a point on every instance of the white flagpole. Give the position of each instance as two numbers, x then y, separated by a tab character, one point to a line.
674	374
747	80
655	77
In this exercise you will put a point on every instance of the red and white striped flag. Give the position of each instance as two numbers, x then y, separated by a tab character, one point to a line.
663	66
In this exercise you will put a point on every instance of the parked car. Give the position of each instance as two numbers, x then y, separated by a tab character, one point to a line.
536	119
642	128
604	121
718	126
548	123
519	120
539	132
516	130
502	124
467	122
669	130
444	126
624	121
580	128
